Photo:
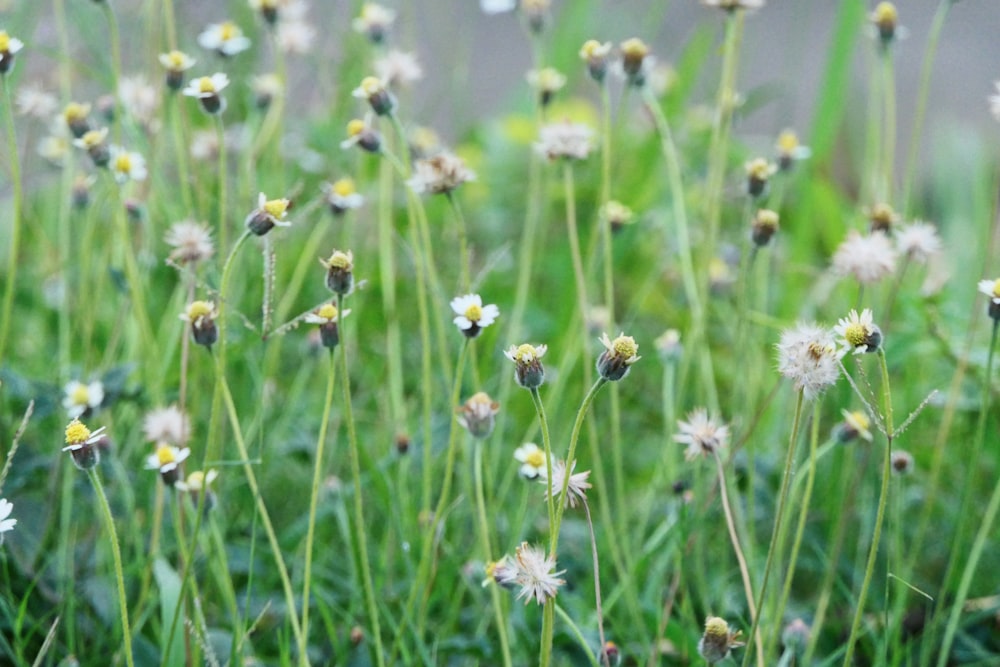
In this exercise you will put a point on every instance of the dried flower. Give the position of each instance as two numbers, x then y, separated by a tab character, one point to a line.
571	141
82	399
858	333
503	572
167	459
471	316
615	362
991	288
547	82
168	425
808	356
191	242
701	434
531	458
764	227
440	174
327	317
374	21
478	415
918	241
339	272
576	486
534	574
528	370
718	640
790	150
882	217
268	214
201	315
224	38
32	100
342	195
867	258
796	635
596	55
82	444
398	69
295	35
9	46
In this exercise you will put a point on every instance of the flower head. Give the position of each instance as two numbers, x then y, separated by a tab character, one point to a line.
199	482
902	462
80	398
867	258
35	101
855	425
360	133
201	315
701	434
885	18
93	141
373	89
668	345
127	166
168	425
224	38
471	316
339	272
268	214
596	55
532	460
547	82
991	288
764	227
618	356
342	195
881	217
636	61
398	69
191	242
616	214
808	356
82	444
718	640
206	89
296	33
167	459
503	572
266	88
576	485
477	415
374	21
6	524
858	333
176	63
76	116
440	174
790	150
9	46
528	370
534	574
758	171
571	141
918	241
328	318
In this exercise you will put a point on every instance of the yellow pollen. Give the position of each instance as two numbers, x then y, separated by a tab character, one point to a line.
856	334
371	85
759	168
206	85
340	260
165	455
589	48
199	309
625	346
788	141
535	458
861	420
716	627
344	187
76	433
886	12
634	48
75	111
227	31
176	59
92	138
195	480
491	567
355	127
996	288
474	313
276	207
123	163
328	312
81	395
4	41
525	353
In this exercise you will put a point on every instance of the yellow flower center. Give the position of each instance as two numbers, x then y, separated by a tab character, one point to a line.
474	313
176	60
80	395
759	169
767	218
276	207
355	127
206	85
371	85
716	627
75	111
92	138
525	353
165	455
625	346
886	12
550	79
491	567
4	41
590	48
199	309
328	312
860	420
788	141
634	48
340	260
76	433
996	288
123	163
535	458
344	187
228	30
856	334
196	480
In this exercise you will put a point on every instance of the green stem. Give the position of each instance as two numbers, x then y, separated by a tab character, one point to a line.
548	624
109	526
387	278
880	514
314	499
181	151
359	514
584	645
220	131
15	238
782	501
889	130
463	243
484	537
543	423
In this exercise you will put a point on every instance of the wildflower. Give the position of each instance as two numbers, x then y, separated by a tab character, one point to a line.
758	173
855	425
733	5
808	356
882	217
6	524
859	333
546	82
424	142
440	174
398	69
471	316
702	435
991	288
198	482
342	196
9	46
339	272
885	19
796	635
502	572
127	166
478	415
790	150
54	148
535	574
168	425
635	61
669	346
532	460
765	225
596	54
528	370
402	442
75	115
535	12
207	89
374	21
191	242
918	241
205	145
176	63
576	486
720	274
718	640
360	133
94	143
201	315
81	190
35	101
327	317
565	140
902	462
618	357
268	9
82	444
82	398
266	88
377	95
269	212
167	459
224	38
610	654
616	214
867	258
994	101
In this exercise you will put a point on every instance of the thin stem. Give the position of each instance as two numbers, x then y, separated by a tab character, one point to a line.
387	279
782	501
548	624
880	514
740	559
463	243
889	129
116	63
15	237
547	445
220	131
484	537
574	242
314	499
109	526
597	584
565	618
359	514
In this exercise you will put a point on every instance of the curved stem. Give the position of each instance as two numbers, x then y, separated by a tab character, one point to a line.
109	526
579	636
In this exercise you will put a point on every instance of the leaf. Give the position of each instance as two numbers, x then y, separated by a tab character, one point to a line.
170	593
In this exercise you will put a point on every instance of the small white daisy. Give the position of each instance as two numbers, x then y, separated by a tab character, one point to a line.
790	150
572	141
268	214
440	174
140	99
618	356
702	435
576	487
858	333
532	460
374	21
991	288
224	38
919	241
868	258
191	242
80	397
206	89
198	480
535	574
167	457
295	37
808	356
6	525
168	425
471	315
342	195
127	166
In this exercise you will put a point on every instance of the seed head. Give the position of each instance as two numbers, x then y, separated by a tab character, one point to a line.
718	640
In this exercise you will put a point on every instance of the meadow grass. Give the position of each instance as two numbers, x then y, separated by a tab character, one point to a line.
285	380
